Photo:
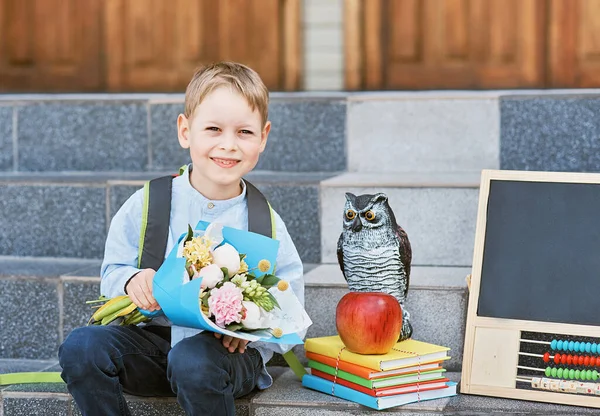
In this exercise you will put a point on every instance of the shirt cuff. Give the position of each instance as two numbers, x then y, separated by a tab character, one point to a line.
113	285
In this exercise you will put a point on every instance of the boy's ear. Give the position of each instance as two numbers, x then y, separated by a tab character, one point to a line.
183	131
264	135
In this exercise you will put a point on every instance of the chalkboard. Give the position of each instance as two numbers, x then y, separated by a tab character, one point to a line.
534	285
542	252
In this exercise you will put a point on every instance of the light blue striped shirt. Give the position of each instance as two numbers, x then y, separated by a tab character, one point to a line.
189	206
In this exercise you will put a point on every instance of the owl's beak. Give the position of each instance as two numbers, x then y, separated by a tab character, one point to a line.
356	224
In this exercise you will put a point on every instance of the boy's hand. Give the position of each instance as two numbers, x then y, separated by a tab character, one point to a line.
139	290
232	343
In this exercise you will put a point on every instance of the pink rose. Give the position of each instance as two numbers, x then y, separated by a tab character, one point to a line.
225	303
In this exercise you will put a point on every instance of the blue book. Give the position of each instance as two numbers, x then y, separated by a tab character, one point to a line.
378	403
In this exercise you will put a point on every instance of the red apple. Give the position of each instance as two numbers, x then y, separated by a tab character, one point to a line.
368	322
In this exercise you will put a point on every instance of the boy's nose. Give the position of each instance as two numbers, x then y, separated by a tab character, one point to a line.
228	141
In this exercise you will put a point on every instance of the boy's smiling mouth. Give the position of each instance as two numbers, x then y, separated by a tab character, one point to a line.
225	163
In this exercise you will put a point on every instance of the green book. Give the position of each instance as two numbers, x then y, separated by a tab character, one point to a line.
380	382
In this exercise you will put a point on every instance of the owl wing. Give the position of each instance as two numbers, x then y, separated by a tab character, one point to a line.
340	255
405	253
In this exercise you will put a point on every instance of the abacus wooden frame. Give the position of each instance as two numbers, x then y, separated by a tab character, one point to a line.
492	344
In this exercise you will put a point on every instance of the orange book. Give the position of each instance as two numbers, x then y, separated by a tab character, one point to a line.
369	373
385	391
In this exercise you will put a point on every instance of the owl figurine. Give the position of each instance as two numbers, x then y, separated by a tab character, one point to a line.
374	252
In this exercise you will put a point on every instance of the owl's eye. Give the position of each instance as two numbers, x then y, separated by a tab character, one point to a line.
350	214
370	215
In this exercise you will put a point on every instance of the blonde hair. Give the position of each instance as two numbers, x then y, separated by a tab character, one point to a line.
237	76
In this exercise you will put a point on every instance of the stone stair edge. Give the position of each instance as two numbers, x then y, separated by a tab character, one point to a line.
316	275
426	179
137	178
287	392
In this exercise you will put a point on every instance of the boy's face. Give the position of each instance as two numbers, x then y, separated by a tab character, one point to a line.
225	139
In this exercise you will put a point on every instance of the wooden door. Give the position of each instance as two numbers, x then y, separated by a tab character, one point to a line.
574	44
155	45
433	44
50	45
143	45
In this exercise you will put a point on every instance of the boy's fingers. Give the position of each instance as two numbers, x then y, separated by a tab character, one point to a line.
242	345
233	345
217	335
227	341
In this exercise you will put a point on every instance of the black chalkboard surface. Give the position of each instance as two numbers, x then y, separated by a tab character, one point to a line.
542	252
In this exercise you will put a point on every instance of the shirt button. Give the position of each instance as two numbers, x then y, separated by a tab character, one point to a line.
211	205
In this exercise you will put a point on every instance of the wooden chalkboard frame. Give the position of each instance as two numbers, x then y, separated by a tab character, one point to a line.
492	344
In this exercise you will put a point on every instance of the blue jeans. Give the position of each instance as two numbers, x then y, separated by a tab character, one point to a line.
100	363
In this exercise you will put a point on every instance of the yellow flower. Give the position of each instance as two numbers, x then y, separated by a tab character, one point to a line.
282	285
243	267
264	265
197	252
277	332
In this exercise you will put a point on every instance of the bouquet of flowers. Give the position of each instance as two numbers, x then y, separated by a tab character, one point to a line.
220	279
232	295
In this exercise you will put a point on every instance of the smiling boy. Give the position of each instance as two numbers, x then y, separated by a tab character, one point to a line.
225	127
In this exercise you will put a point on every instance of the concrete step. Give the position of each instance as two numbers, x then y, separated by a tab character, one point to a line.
286	397
138	132
437	301
67	214
437	210
420	132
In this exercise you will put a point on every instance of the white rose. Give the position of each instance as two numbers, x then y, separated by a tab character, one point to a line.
228	257
211	275
253	319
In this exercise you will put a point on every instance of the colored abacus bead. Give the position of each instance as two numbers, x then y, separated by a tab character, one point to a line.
553	344
563	359
588	347
582	347
556	358
559	373
593	361
594	348
571	345
577	374
586	361
580	360
571	374
595	375
576	346
569	359
548	371
546	357
553	372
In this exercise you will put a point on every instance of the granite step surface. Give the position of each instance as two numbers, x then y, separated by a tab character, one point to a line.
287	397
138	132
68	214
437	302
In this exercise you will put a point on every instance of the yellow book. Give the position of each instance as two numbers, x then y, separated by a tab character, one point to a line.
404	354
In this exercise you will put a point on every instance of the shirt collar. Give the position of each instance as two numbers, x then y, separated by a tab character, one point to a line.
214	206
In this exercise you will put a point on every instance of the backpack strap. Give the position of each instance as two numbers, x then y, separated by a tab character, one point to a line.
156	214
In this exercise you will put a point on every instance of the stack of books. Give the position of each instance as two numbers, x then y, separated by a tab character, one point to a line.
411	372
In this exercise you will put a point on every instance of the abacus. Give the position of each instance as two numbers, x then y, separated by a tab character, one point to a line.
567	365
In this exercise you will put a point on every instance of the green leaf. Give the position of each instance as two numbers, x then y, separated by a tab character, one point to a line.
226	277
259	279
242	256
269	280
272	298
234	327
205	300
189	234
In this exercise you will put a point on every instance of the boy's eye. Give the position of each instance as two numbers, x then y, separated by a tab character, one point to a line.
212	128
246	132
